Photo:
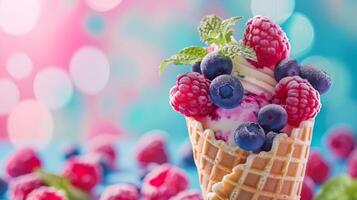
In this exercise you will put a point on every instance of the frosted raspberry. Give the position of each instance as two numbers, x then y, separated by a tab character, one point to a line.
151	148
317	168
46	193
164	182
188	195
300	100
21	186
120	192
341	142
352	164
268	41
307	191
190	96
23	162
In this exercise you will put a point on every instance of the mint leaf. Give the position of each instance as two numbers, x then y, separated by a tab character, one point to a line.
226	27
232	50
210	29
341	187
62	183
186	56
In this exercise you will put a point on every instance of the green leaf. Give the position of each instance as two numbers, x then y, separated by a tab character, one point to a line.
186	56
232	50
341	187
62	183
210	29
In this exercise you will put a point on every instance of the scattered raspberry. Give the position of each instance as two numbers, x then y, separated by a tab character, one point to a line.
101	160
46	193
300	100
151	148
21	186
307	191
188	195
22	162
317	168
82	174
120	192
268	41
190	96
105	148
164	182
352	164
341	142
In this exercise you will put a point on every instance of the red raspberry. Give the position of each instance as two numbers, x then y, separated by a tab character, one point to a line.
164	182
23	162
82	174
352	164
268	40
120	192
190	96
188	195
106	149
300	100
317	168
21	186
46	193
307	190
341	142
151	148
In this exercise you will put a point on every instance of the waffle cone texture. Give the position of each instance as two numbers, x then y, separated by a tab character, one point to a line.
227	173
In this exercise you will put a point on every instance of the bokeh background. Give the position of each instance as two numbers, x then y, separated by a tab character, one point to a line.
71	69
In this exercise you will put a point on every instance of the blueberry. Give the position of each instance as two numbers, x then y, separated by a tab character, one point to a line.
215	64
226	91
317	78
187	159
196	67
3	187
71	151
249	136
268	143
286	68
272	117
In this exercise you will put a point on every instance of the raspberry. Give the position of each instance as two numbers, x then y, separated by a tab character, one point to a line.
21	186
82	174
341	142
151	148
46	193
352	164
164	182
188	195
307	191
317	168
190	96
107	150
300	100
120	192
268	40
22	162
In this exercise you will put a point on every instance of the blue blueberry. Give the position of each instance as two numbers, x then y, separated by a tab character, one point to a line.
319	79
268	143
187	159
215	64
196	67
249	136
3	187
226	91
272	117
286	68
71	151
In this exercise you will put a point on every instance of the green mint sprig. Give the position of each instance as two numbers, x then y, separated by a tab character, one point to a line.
341	187
232	50
63	184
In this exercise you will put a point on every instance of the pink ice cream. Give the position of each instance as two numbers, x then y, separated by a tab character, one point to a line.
226	121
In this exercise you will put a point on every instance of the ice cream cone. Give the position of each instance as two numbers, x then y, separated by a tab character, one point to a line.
274	175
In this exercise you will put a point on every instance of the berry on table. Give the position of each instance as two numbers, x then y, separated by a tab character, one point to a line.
268	143
317	168
82	174
21	186
190	96
341	142
71	151
3	186
300	100
196	67
249	136
24	161
285	68
46	193
268	40
187	159
106	150
226	91
319	79
215	64
164	182
120	192
308	188
272	117
352	164
151	148
188	195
